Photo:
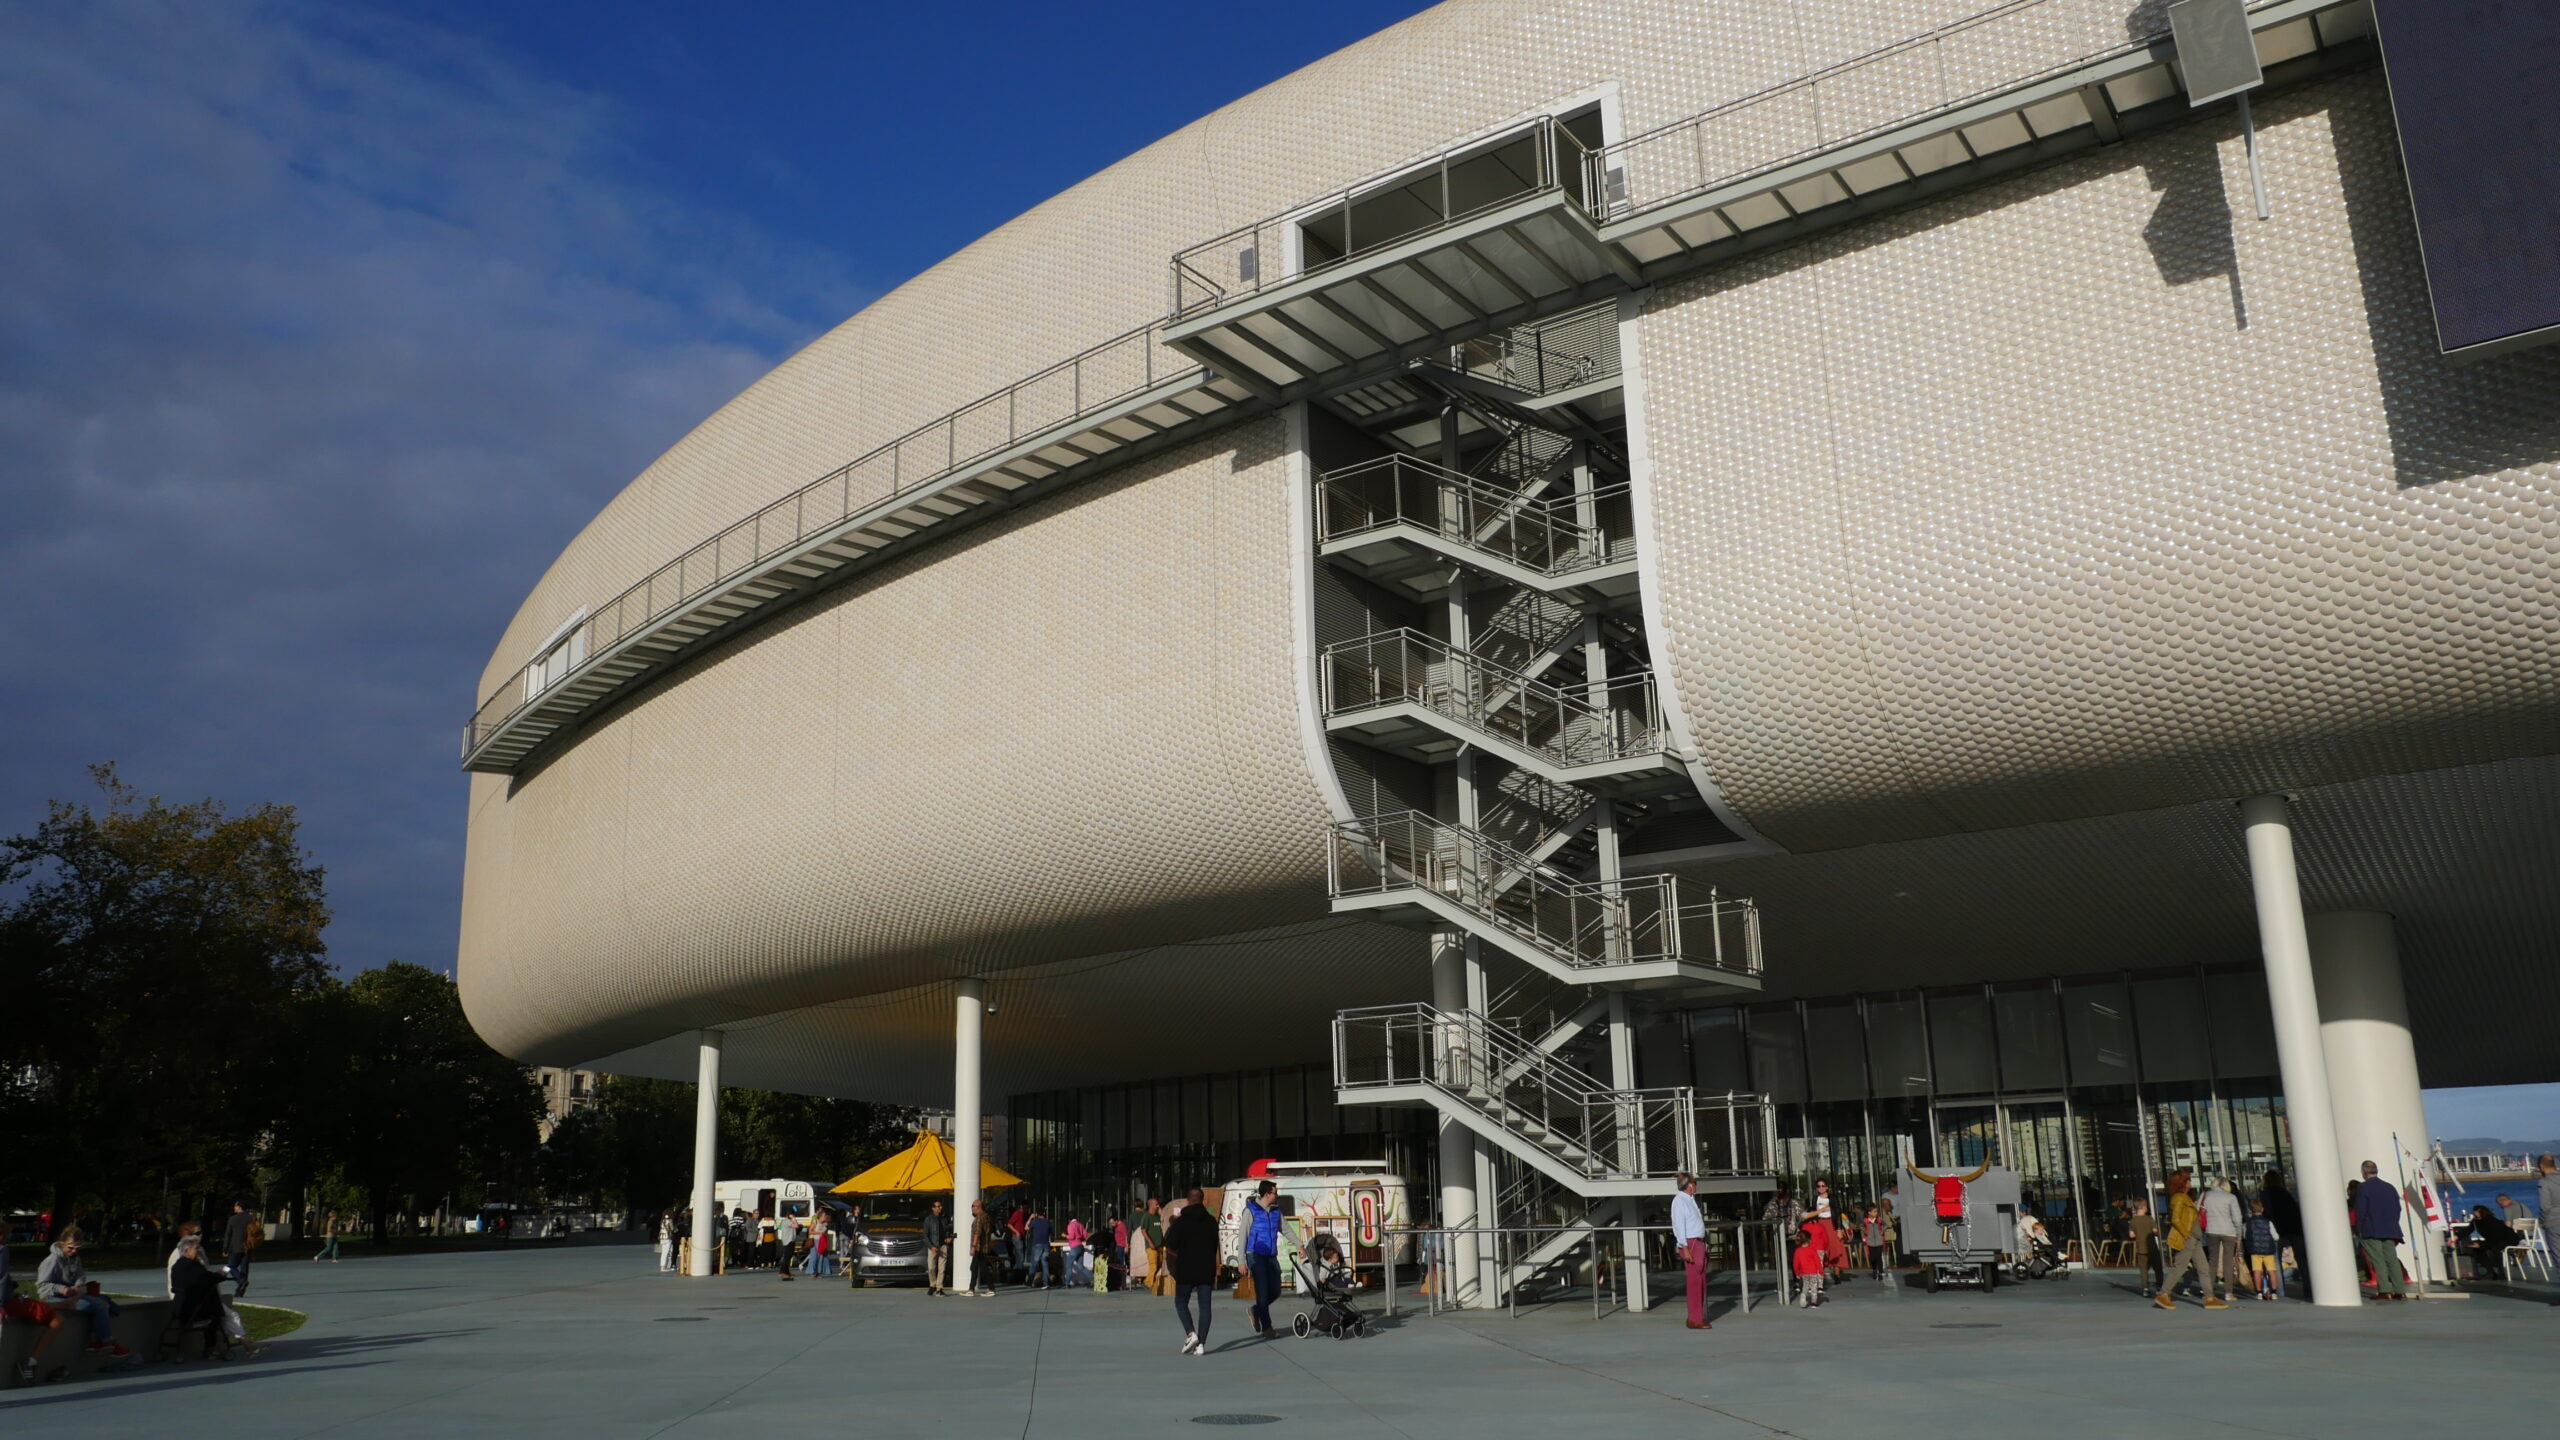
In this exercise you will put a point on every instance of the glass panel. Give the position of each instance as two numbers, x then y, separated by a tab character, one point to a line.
2169	1016
2244	1035
1968	1135
1903	1137
1257	1105
2030	1038
1222	1108
1837	1152
1114	1131
1777	1053
2182	1128
1660	1051
1323	1116
1897	1047
1168	1113
1836	1051
2098	1026
1960	1041
1195	1111
1288	1103
2038	1146
1716	1051
2111	1137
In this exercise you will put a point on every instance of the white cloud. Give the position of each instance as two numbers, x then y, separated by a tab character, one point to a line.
322	330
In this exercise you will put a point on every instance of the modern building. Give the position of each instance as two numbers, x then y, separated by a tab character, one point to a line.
1579	591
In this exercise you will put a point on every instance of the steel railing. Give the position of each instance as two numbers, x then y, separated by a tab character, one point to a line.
1556	535
1452	186
1082	385
1619	718
2001	48
1601	1132
1545	356
1501	1246
1580	924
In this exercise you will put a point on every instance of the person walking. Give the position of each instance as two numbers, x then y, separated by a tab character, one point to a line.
1262	1253
2223	1223
1873	1239
235	1247
2374	1208
328	1240
1689	1237
1146	1247
1191	1252
2546	1190
937	1250
2186	1248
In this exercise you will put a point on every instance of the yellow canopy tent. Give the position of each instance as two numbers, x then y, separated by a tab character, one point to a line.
923	1168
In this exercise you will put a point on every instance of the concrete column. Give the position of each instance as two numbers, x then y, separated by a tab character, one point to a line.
2373	1066
706	1152
1459	1258
2294	1003
968	1127
1622	1076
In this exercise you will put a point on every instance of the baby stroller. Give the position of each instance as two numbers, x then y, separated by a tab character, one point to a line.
1327	1281
2038	1255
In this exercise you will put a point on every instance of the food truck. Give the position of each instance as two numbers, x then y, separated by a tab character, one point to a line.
1359	1202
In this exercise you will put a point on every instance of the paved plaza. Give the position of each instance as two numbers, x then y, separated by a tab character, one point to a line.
569	1344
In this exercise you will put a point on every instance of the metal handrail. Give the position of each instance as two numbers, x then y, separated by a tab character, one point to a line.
1602	1133
1432	1242
1542	357
1949	67
1250	257
1619	718
1079	386
1549	534
1581	924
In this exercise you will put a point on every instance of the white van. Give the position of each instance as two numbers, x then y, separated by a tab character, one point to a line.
795	1198
1356	1201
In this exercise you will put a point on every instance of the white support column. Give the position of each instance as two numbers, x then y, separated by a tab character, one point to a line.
2373	1066
706	1153
968	1127
1622	1076
1459	1256
2293	1001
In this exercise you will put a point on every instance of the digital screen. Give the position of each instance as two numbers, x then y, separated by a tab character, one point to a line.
2475	85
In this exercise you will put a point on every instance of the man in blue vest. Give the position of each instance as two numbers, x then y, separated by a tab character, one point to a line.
1262	1253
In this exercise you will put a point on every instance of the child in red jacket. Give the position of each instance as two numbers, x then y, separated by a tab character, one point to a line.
1808	1268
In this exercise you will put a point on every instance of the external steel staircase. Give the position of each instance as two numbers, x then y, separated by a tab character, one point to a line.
1583	1135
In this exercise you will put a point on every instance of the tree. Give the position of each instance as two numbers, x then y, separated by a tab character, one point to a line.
633	1147
152	954
415	1105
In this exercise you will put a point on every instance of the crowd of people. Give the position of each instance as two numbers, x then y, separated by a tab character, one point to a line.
63	1293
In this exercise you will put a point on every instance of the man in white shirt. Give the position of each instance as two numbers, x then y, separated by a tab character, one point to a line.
1689	1236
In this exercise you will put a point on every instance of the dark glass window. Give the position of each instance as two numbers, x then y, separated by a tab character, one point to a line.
2244	1035
2169	1016
1960	1041
1777	1053
2030	1038
1716	1053
1897	1046
2097	1023
1836	1051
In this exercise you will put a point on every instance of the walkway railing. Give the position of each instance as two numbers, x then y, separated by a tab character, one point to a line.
2002	48
1082	385
1452	186
1542	357
1579	924
1571	725
1549	536
1605	1247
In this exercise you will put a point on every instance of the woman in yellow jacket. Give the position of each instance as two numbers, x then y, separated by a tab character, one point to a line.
2186	1246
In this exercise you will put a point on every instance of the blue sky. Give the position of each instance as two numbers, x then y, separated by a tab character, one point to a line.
326	325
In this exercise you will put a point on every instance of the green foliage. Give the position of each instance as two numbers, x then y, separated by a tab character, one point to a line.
150	954
634	1146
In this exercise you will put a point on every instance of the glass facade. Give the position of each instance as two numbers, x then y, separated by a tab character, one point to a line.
2093	1088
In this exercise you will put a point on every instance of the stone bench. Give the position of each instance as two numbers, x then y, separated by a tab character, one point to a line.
137	1329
